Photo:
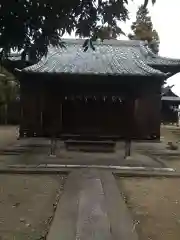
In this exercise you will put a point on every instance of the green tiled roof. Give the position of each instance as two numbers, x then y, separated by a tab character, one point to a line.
112	57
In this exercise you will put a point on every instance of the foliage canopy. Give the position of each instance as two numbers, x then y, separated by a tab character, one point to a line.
32	25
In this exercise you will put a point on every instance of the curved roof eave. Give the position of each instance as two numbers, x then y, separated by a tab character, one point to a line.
157	60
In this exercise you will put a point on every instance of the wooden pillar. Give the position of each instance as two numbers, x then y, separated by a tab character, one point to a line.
53	146
24	104
56	123
127	148
61	117
129	125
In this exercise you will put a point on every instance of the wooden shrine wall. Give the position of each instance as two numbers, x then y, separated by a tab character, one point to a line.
148	113
30	120
94	117
46	111
41	110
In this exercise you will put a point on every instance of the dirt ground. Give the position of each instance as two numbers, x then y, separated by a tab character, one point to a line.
155	202
27	205
27	201
171	133
155	206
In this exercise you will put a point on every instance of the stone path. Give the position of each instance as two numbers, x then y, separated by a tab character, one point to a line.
91	208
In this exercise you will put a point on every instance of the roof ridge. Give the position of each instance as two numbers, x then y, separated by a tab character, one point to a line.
114	42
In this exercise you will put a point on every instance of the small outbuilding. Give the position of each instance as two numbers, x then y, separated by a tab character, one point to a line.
170	106
109	91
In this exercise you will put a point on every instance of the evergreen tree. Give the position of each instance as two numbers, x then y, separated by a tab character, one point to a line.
143	29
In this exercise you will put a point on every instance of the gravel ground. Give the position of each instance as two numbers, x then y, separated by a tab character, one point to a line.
155	206
27	204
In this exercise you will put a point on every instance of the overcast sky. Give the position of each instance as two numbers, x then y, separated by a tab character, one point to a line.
165	17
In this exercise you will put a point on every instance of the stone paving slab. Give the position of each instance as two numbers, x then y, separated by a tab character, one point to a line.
122	226
65	219
85	211
92	222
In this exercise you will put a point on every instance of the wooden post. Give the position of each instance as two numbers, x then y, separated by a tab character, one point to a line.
53	132
18	134
130	104
53	147
6	114
127	148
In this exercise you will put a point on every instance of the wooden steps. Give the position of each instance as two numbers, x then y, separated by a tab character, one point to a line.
90	146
